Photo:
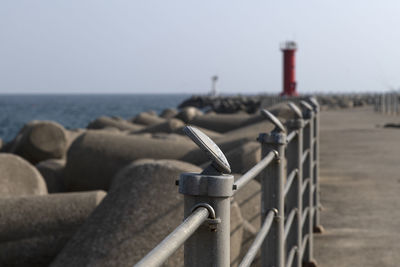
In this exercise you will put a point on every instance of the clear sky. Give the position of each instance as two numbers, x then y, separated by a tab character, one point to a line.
175	46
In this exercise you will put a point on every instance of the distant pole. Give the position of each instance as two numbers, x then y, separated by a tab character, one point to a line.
214	80
289	76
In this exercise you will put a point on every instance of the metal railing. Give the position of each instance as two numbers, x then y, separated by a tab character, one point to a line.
289	177
388	103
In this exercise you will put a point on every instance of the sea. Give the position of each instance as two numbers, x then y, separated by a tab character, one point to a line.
76	111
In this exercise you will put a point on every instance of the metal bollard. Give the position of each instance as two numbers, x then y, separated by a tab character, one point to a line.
272	179
294	161
308	196
212	189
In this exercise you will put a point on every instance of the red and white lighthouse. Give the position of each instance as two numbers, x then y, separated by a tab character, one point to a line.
289	75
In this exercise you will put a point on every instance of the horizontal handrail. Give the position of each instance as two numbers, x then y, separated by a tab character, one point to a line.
289	222
290	257
304	185
291	136
303	244
305	155
255	246
253	172
289	181
304	215
174	240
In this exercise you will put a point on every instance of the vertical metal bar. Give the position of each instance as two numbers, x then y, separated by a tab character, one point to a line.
295	199
210	244
308	194
272	178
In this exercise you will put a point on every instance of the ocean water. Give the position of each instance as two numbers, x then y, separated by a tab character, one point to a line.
76	111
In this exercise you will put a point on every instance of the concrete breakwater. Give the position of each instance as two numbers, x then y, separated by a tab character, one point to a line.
105	195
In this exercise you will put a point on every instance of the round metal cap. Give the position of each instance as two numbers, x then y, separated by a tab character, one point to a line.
295	109
313	101
306	105
271	117
206	144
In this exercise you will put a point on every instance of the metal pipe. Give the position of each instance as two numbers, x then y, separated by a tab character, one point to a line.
291	255
253	172
158	255
289	222
291	136
304	215
255	246
305	155
289	181
272	178
304	185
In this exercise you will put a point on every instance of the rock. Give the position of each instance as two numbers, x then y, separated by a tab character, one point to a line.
40	140
188	114
95	157
1	144
18	177
147	119
142	207
169	126
244	157
33	229
52	172
120	124
169	113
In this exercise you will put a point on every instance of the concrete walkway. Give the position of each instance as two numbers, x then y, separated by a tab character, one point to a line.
360	190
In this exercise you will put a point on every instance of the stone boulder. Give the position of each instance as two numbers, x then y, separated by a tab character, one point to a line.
52	171
33	229
18	177
142	207
40	140
120	124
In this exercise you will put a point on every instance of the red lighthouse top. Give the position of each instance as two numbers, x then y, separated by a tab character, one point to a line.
289	75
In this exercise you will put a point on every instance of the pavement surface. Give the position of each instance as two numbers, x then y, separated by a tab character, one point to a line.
360	189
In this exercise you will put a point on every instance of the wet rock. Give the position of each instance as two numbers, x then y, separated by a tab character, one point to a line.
18	177
33	229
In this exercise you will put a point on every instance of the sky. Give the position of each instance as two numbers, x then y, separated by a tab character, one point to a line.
175	46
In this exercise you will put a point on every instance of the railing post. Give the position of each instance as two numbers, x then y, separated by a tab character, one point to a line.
272	179
317	227
308	197
210	244
294	200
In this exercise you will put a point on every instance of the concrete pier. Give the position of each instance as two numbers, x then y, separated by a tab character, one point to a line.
360	189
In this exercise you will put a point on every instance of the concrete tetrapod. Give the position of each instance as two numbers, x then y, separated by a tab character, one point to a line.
188	114
142	207
40	140
244	157
169	113
104	122
169	126
144	118
33	229
95	157
18	177
52	171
